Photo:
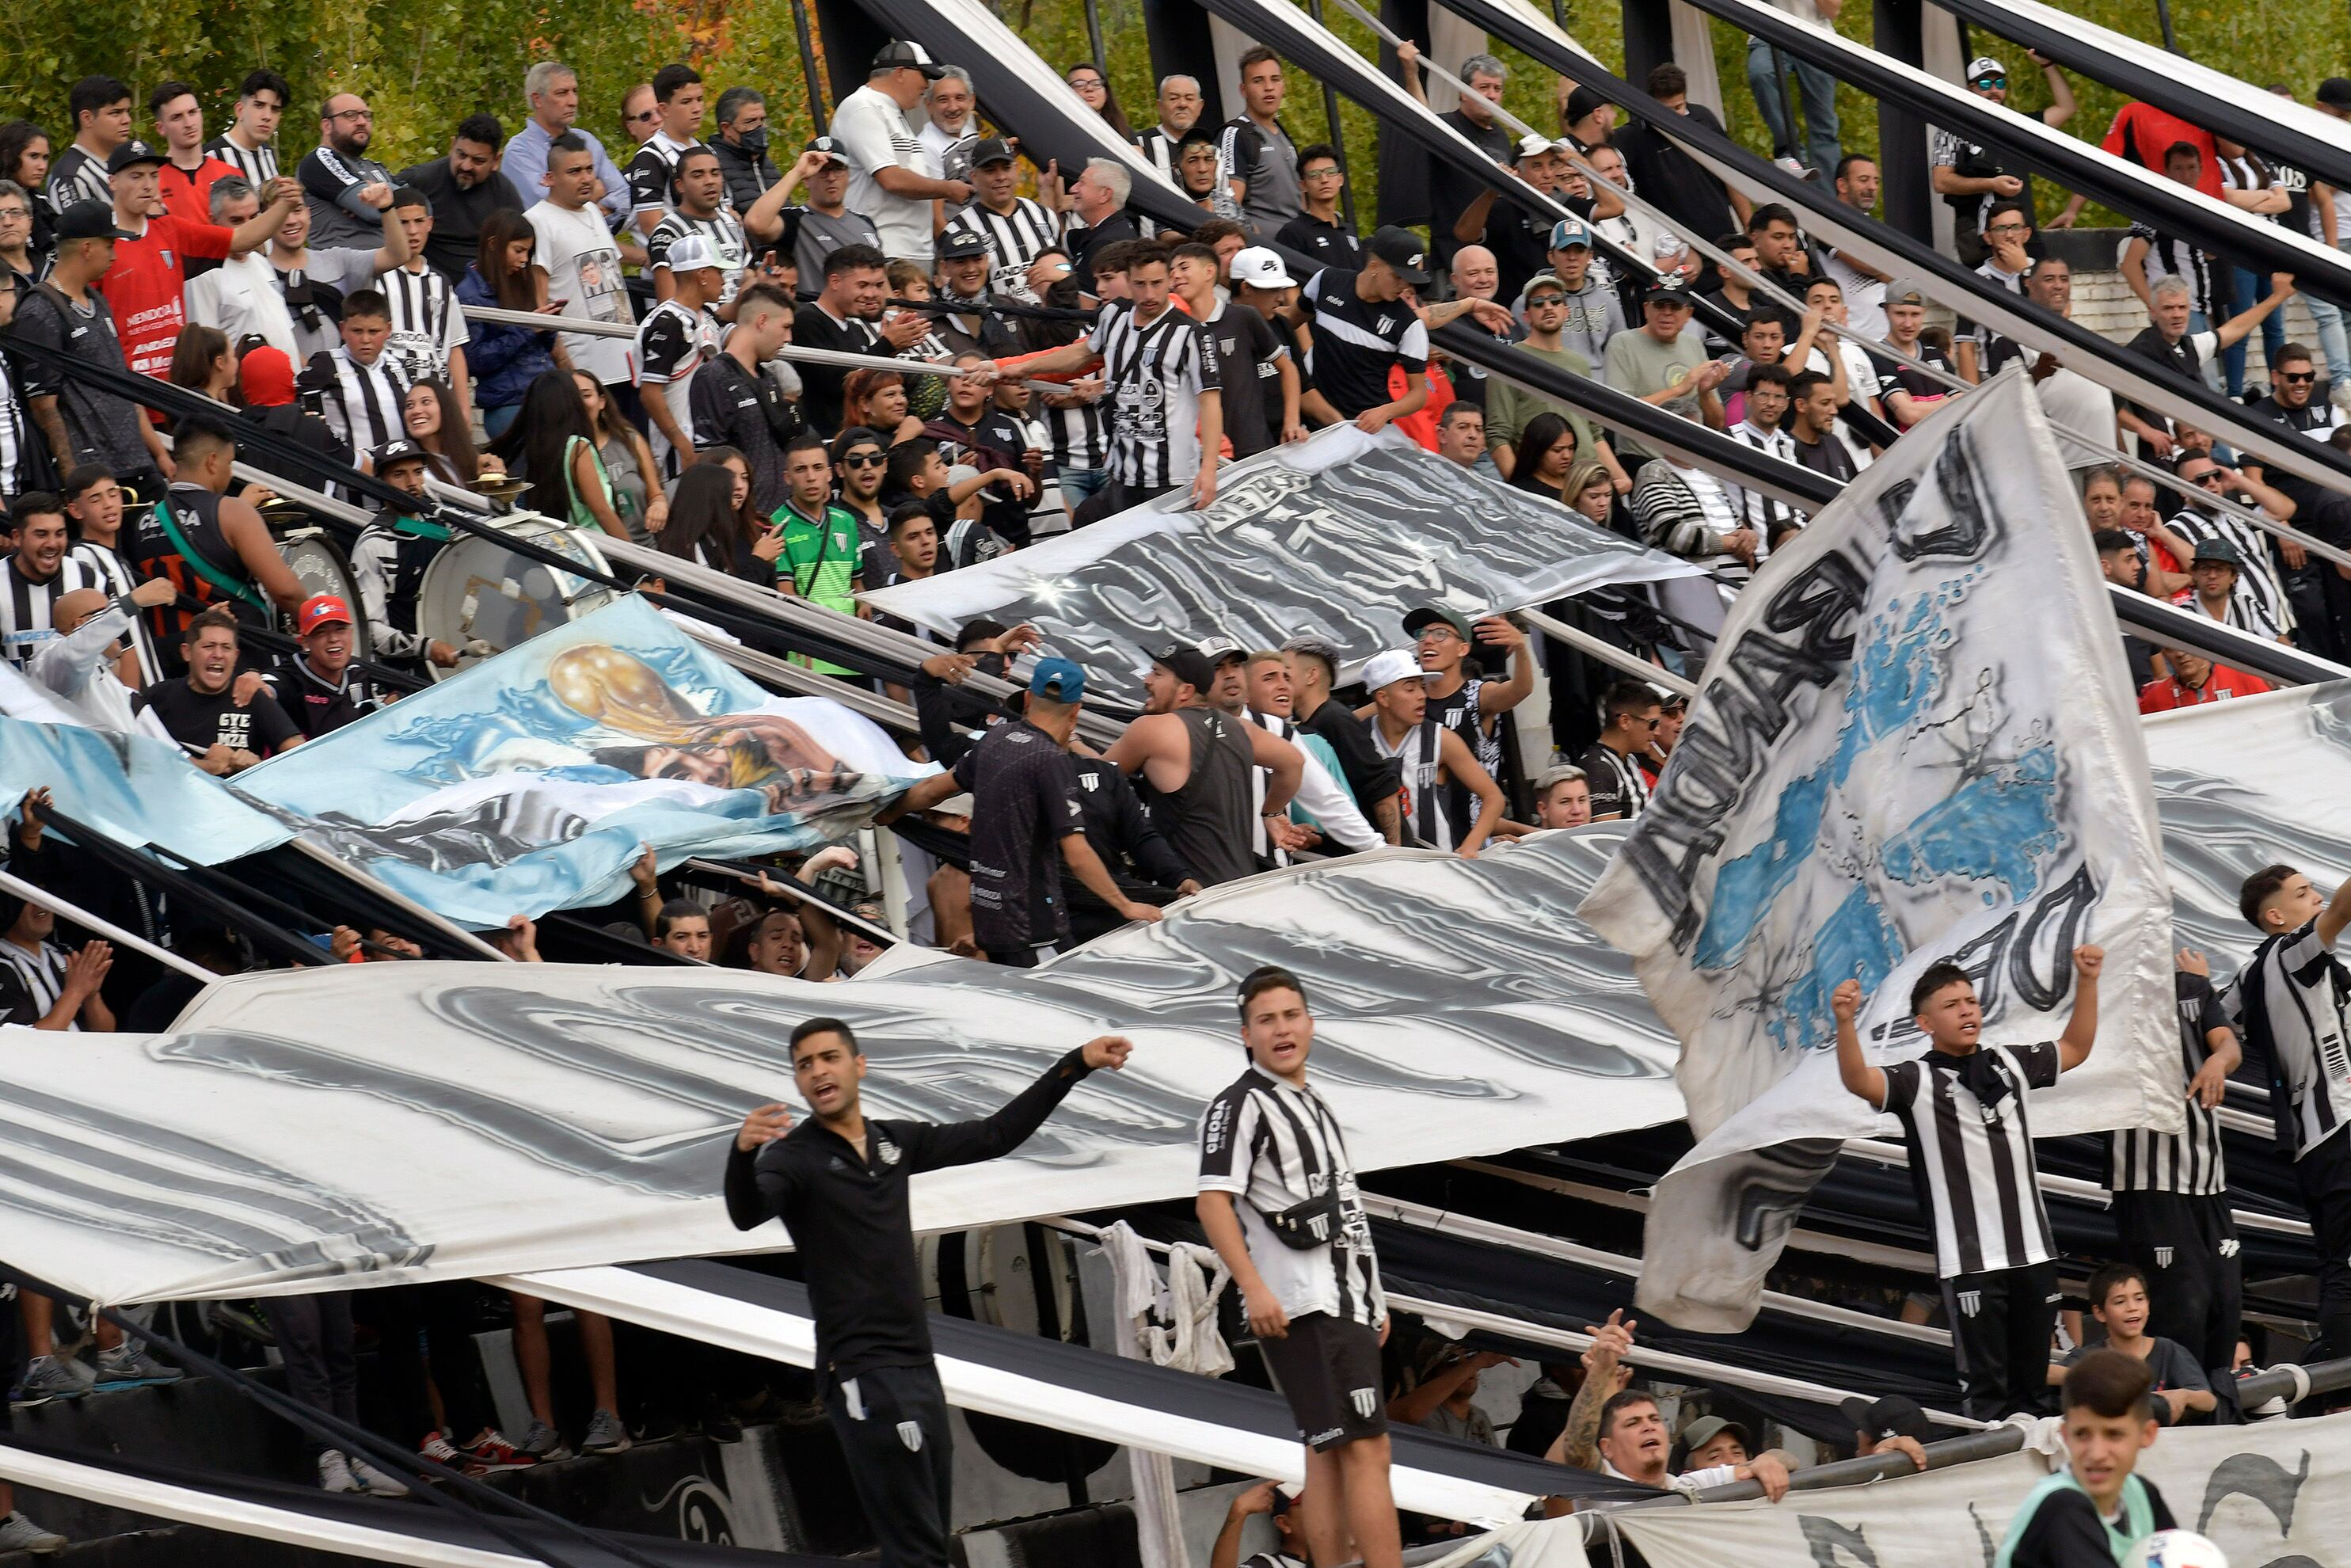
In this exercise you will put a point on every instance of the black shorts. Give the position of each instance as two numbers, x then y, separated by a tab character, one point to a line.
1329	1370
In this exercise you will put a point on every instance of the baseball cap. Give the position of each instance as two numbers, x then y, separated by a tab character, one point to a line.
1402	249
1431	614
1984	66
991	150
899	53
266	375
2219	551
1707	1429
1892	1416
831	147
1665	291
392	452
957	241
1530	145
1057	681
2334	93
130	155
1568	232
1902	291
88	219
321	610
1188	664
1545	280
1387	667
1260	268
1216	650
1582	101
693	252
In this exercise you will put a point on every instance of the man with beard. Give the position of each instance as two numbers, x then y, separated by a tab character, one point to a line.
1199	762
222	731
32	578
349	191
965	266
465	188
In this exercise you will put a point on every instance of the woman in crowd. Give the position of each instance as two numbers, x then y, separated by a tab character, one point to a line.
704	518
431	415
201	362
1590	492
877	399
1546	451
628	461
24	163
1086	80
557	446
505	361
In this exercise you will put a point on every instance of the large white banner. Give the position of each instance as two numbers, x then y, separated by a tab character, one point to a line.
1914	741
303	1130
2273	1495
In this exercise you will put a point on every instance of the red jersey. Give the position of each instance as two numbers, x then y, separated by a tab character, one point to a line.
2223	683
188	192
2144	133
144	287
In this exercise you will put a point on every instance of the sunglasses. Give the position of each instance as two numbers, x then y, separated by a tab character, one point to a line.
864	460
2288	376
1542	301
642	115
1991	82
2211	476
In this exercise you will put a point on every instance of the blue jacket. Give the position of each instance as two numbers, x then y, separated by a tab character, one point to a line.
503	360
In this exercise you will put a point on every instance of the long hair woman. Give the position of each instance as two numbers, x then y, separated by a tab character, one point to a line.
201	362
24	163
877	399
557	447
705	518
430	415
503	360
1545	452
628	461
1087	80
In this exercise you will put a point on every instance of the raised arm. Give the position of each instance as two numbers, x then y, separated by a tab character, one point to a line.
2082	1029
1577	1445
1854	1071
2335	915
964	1143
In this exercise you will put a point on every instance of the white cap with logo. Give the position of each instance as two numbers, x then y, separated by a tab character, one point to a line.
1388	667
1260	268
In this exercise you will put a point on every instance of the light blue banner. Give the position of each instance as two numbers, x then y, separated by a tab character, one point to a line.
133	787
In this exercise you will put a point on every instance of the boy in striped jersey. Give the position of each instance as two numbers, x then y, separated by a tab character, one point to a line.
2288	1007
1278	1199
1963	1113
2172	1191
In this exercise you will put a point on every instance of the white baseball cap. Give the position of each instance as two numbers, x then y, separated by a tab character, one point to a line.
692	253
1260	268
1384	669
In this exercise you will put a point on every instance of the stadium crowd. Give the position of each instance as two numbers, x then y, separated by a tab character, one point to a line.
1066	357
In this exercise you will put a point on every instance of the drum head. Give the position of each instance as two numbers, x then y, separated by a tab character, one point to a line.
321	567
482	598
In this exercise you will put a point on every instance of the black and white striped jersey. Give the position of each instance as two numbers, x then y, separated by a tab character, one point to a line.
13	434
91	565
1081	436
723	229
363	405
2190	1163
31	980
1275	1146
257	166
1015	239
1763	513
2287	1005
1419	802
1156	371
1973	1160
2257	603
76	177
425	322
25	609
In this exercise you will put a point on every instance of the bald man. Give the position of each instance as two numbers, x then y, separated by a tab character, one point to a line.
91	666
1476	276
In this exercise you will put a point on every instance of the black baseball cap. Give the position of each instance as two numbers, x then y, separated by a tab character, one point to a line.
898	53
1582	101
1892	1416
130	155
401	451
1403	250
1665	291
2334	93
831	147
1186	663
88	219
2220	552
991	150
1432	615
959	240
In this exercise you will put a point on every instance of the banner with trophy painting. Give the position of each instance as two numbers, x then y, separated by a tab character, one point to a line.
531	781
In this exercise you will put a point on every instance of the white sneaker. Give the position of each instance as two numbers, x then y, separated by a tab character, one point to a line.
335	1472
18	1533
373	1482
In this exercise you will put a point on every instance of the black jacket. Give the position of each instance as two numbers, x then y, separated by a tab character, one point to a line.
747	178
850	1219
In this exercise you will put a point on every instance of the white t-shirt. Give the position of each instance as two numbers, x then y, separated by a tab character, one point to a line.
1860	375
1865	297
877	135
583	270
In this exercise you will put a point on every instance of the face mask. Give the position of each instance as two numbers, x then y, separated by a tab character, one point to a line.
754	142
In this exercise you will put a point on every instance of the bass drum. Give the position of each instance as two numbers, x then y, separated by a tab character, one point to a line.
321	567
482	598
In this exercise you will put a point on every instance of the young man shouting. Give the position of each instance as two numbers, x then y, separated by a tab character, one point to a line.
1278	1199
1962	1108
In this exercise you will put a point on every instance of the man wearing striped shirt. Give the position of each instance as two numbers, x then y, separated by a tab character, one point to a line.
32	578
100	108
2171	1190
428	330
2288	1007
1963	1114
1279	1202
249	145
1019	230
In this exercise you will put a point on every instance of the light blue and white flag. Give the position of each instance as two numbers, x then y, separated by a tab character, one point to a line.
1914	741
528	782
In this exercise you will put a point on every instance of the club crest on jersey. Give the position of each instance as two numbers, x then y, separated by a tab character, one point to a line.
1970	1303
1366	1402
2228	1248
2163	1256
911	1433
886	1151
